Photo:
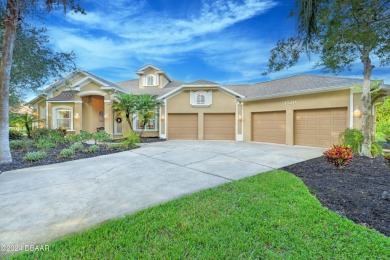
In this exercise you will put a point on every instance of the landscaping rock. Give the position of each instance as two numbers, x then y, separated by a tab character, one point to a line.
386	195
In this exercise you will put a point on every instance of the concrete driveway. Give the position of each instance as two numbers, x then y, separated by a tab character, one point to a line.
42	203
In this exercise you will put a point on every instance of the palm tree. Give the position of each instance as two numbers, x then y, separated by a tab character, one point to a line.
14	12
146	107
127	104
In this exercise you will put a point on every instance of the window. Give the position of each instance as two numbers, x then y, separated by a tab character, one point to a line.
150	80
200	99
151	125
63	117
42	113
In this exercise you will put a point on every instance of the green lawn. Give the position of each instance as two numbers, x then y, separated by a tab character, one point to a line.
271	215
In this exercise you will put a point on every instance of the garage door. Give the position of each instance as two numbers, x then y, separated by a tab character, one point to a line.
219	127
183	126
269	127
319	127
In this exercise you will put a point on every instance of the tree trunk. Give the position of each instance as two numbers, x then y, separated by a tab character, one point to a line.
11	23
129	121
367	106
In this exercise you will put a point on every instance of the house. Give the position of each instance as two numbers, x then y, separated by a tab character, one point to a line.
299	110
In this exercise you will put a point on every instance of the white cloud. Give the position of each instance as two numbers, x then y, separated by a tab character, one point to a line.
122	36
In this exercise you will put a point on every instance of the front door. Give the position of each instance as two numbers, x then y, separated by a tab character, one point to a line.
118	124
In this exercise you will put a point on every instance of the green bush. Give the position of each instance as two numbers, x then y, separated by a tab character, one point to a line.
376	149
352	138
85	136
34	156
39	133
383	132
45	144
116	146
72	138
66	153
131	140
23	144
15	134
101	136
56	137
77	147
92	149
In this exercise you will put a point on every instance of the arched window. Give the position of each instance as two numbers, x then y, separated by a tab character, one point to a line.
200	99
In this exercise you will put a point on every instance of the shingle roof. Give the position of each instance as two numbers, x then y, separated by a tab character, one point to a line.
63	96
200	82
294	84
131	86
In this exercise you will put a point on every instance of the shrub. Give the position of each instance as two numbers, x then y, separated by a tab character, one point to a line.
15	134
131	140
45	144
34	156
387	157
66	153
352	138
39	133
92	149
23	144
115	146
101	136
339	155
61	131
376	149
56	137
77	147
85	136
72	138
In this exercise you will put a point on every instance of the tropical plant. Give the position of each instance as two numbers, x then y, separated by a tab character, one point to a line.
352	138
14	13
34	156
23	144
22	120
116	146
383	121
72	138
376	149
127	104
85	136
340	32
339	156
146	107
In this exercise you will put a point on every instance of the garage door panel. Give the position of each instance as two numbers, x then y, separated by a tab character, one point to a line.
219	127
269	127
321	130
183	126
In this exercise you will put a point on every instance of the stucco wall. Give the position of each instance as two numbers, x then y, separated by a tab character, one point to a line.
221	103
332	99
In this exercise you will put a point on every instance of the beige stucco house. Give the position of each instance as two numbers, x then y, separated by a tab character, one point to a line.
300	110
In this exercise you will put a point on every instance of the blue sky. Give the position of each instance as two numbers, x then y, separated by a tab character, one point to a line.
224	41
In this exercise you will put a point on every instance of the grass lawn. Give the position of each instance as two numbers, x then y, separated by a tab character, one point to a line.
271	215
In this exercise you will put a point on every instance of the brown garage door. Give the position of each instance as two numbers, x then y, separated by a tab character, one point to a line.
319	127
219	127
183	126
269	127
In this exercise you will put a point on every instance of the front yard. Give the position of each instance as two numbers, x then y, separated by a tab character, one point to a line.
271	215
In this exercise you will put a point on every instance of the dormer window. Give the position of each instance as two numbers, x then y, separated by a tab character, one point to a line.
150	80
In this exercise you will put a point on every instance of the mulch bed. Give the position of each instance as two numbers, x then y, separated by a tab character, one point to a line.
354	191
52	155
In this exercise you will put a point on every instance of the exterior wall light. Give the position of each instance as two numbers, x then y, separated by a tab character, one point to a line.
76	116
162	117
106	115
357	112
239	117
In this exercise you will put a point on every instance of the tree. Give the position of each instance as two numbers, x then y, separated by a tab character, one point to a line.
15	12
341	32
146	107
137	106
23	120
127	104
